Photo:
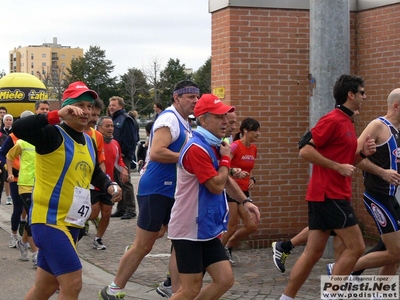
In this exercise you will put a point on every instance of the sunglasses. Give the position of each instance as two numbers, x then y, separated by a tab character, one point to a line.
361	92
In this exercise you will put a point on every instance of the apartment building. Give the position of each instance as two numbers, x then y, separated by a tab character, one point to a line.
40	60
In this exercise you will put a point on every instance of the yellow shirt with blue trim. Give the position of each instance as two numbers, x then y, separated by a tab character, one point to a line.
57	175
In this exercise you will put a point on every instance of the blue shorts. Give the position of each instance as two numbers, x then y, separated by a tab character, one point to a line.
57	248
154	211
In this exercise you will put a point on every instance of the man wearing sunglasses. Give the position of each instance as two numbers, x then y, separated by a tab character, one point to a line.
331	146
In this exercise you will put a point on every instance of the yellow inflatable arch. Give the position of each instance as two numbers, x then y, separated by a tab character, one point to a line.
20	91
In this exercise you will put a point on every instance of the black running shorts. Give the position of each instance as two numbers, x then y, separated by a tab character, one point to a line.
330	214
230	199
195	256
99	196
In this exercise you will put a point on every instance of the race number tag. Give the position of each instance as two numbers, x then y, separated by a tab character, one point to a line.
81	207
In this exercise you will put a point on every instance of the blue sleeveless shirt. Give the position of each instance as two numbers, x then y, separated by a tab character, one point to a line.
160	178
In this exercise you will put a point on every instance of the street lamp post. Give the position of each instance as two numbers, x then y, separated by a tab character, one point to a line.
97	82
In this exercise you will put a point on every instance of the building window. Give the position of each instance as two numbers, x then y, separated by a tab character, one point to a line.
63	65
73	56
43	64
32	65
43	55
32	56
62	56
32	73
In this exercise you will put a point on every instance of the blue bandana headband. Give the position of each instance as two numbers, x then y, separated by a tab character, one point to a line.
187	90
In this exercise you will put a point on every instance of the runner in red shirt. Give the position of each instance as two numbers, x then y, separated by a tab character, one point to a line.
244	153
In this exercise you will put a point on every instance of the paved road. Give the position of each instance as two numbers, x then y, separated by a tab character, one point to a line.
255	275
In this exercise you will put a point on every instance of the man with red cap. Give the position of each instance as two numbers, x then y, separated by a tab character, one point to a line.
200	212
65	165
156	186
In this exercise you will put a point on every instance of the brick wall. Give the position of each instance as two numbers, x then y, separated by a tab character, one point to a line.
261	58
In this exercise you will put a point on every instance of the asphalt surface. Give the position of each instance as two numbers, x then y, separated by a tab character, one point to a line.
255	274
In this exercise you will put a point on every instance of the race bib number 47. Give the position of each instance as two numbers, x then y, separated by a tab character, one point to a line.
81	208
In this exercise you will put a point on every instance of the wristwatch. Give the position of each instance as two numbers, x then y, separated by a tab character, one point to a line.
247	200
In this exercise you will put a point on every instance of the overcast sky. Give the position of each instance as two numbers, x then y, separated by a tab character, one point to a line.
133	33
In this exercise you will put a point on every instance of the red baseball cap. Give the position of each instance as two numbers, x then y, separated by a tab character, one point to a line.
209	103
76	89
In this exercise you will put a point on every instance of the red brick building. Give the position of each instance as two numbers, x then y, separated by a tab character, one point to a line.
260	59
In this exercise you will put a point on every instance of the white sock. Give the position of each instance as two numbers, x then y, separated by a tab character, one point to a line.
113	288
284	297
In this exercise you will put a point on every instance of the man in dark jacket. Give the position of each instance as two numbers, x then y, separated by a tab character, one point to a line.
124	133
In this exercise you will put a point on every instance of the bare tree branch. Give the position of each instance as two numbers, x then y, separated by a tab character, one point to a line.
152	73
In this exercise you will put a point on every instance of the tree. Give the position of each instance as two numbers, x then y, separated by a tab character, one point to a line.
77	71
53	78
135	90
153	78
2	73
94	70
202	77
57	80
173	72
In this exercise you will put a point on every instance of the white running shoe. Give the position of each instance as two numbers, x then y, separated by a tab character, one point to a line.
23	251
165	291
13	241
34	258
228	252
98	244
